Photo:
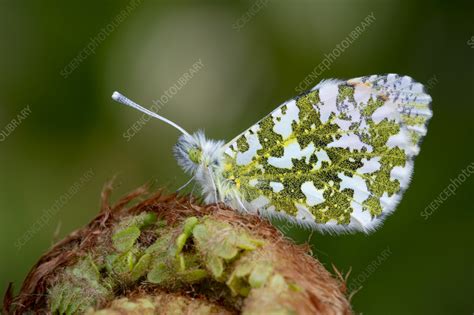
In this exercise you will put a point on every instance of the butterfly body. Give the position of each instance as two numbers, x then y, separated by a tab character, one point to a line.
335	159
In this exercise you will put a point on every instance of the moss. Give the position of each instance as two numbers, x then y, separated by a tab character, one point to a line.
185	254
170	256
125	239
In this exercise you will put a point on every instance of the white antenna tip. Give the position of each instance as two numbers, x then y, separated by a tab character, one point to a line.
116	96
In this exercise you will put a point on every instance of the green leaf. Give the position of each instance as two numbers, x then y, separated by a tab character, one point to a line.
160	247
149	218
181	263
226	249
131	260
125	239
200	233
243	269
189	225
237	285
193	275
159	274
180	242
215	265
244	241
259	275
86	269
141	267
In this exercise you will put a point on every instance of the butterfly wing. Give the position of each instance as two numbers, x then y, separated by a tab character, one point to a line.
337	158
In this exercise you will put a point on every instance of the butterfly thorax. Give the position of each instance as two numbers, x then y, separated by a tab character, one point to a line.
202	158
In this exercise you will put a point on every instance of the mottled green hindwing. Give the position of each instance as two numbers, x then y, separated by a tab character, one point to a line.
336	158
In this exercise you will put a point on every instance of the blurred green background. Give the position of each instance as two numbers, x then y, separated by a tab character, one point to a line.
254	55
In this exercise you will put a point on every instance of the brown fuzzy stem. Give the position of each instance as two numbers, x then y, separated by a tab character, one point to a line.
170	255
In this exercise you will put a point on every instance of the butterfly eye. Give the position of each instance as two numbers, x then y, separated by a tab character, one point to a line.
195	155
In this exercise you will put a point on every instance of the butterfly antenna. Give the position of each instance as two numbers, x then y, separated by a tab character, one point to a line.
116	96
185	185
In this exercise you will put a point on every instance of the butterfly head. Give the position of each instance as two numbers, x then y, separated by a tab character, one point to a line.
195	152
195	155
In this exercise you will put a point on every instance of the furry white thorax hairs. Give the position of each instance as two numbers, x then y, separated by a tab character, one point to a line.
207	167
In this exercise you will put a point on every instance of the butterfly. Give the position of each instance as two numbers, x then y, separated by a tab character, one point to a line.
336	158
